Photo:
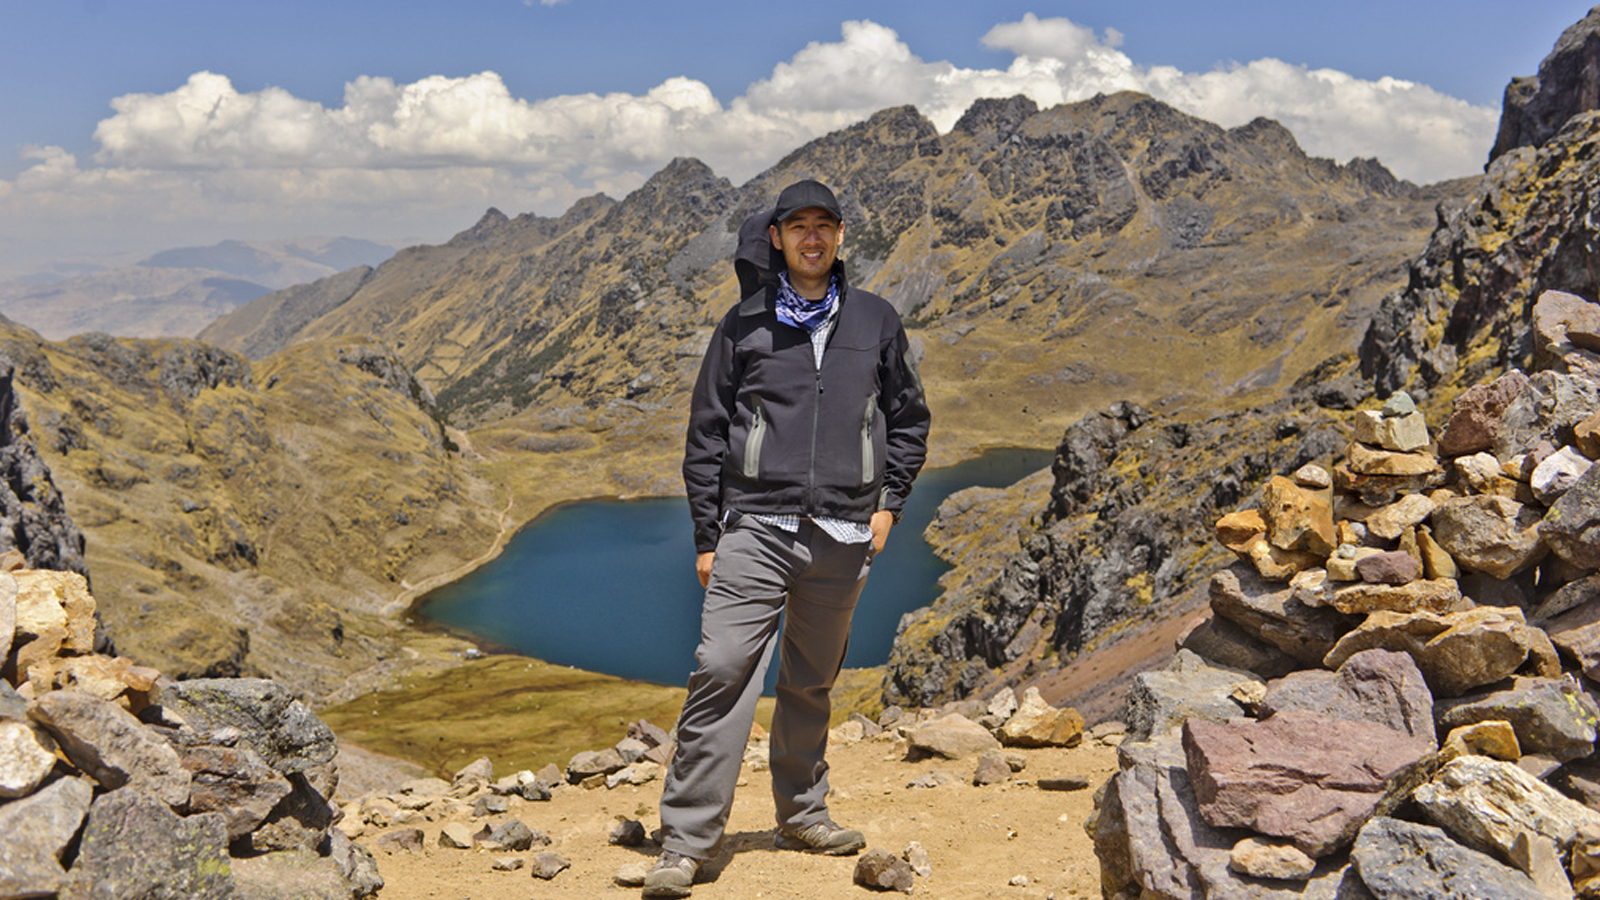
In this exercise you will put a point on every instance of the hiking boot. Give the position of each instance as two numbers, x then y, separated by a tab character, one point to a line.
823	837
671	876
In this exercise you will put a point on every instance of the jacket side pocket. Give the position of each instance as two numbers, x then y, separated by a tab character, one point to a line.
752	444
869	460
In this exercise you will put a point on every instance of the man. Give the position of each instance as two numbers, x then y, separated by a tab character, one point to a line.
806	429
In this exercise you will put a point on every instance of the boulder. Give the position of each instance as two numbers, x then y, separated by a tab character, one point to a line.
1302	776
1546	411
1550	716
1494	739
1400	860
951	737
286	733
1457	651
133	841
1160	700
1569	596
1237	529
37	830
55	615
1576	633
1223	643
234	782
1377	686
1398	433
1486	804
111	746
1491	534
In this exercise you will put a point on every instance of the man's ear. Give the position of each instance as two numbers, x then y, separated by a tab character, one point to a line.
772	233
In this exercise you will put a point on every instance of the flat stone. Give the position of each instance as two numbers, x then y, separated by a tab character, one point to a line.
1475	419
1427	596
1381	687
35	832
1572	526
1303	776
1569	596
1557	317
111	746
1366	460
1396	433
1272	613
286	733
1223	643
1378	490
1486	803
1400	860
1456	651
133	840
402	840
1551	716
456	836
588	763
951	737
917	858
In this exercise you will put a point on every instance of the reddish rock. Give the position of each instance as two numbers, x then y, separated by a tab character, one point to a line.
1393	567
1475	421
1304	776
1377	686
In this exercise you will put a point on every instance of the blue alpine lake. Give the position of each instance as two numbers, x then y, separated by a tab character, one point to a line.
609	585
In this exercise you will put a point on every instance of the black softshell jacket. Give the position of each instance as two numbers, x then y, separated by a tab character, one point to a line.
769	433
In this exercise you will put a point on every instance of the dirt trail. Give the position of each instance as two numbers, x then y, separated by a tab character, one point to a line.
980	839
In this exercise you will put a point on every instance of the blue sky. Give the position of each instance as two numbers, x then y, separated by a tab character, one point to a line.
279	118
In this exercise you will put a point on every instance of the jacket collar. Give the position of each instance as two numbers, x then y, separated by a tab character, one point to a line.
766	300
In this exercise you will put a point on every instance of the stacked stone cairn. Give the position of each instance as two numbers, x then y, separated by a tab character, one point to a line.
1393	694
116	782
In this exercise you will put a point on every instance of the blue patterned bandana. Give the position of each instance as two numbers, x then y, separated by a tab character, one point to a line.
796	310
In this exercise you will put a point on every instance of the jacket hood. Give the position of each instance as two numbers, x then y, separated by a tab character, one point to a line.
756	261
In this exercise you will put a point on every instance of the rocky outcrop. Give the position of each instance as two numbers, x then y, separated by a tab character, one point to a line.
1536	108
33	517
1458	650
117	782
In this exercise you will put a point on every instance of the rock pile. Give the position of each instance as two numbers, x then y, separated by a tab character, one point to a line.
116	782
1393	694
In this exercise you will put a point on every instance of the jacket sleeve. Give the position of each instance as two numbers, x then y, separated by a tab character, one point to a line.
710	413
905	410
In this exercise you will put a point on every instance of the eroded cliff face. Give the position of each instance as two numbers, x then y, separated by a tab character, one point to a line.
250	519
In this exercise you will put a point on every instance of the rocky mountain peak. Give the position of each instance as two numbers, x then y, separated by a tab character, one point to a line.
996	119
491	221
1535	108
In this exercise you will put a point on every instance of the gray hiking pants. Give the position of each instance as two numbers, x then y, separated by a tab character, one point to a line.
760	572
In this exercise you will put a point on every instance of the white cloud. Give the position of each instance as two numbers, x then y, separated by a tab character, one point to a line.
205	161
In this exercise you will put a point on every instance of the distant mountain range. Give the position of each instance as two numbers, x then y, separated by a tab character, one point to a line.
176	293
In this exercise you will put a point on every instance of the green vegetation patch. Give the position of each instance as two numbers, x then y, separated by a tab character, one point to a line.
521	713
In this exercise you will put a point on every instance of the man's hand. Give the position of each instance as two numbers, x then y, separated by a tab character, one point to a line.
881	522
702	567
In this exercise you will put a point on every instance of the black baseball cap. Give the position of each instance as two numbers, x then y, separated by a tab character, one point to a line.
805	195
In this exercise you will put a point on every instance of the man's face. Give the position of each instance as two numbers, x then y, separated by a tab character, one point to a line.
810	241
